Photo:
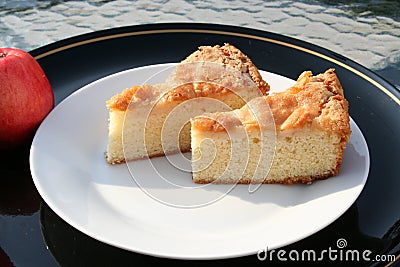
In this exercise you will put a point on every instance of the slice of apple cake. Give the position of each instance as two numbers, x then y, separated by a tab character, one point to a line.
153	120
298	135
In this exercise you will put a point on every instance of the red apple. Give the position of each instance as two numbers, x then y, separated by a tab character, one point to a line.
26	97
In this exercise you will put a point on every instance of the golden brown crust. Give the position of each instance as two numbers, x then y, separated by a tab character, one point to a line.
139	94
315	101
113	162
286	181
193	90
134	94
227	55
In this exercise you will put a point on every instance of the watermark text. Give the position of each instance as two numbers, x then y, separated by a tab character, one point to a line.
338	253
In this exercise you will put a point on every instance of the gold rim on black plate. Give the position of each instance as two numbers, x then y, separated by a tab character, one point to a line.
374	104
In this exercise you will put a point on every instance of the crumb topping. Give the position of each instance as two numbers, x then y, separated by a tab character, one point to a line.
230	56
187	83
316	101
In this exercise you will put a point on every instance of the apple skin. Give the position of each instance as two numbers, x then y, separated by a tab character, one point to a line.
26	97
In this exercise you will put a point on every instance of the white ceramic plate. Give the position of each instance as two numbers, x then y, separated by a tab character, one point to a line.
104	202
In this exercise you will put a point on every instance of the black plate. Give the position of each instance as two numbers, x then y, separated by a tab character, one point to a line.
372	222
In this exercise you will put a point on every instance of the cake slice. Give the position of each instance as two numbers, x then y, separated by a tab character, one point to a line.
153	120
298	135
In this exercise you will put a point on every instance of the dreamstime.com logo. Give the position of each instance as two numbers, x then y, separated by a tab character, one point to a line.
338	253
